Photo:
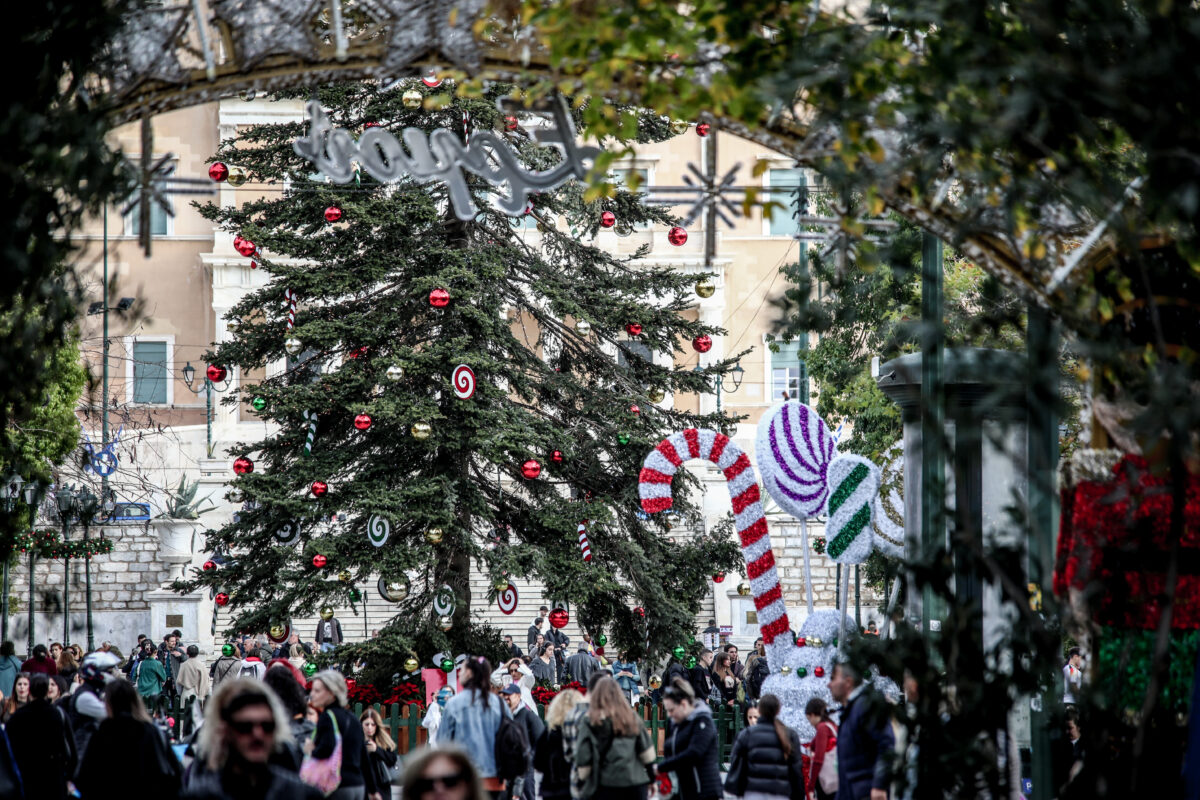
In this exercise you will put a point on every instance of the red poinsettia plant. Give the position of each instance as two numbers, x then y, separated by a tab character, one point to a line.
407	693
542	695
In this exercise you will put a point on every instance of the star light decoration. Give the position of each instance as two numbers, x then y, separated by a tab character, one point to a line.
145	49
710	193
416	27
262	28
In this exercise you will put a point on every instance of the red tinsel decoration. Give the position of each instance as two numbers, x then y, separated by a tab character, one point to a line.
1116	534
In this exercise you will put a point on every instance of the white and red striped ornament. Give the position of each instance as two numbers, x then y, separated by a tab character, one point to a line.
289	298
585	547
507	600
654	488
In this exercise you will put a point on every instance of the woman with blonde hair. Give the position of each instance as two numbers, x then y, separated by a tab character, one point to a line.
548	757
381	750
442	773
614	755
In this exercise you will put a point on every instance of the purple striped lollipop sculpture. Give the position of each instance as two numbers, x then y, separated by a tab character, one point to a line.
794	448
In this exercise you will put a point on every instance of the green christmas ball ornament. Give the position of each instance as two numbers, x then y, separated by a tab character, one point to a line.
691	641
309	669
355	595
679	652
447	665
601	640
258	403
227	650
690	663
623	438
802	672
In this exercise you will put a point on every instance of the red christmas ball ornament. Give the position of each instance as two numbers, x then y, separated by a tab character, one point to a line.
607	219
218	171
215	373
370	124
210	564
362	421
677	236
221	599
703	129
333	214
640	612
633	328
510	123
559	618
253	265
557	456
719	577
358	352
531	469
242	465
801	642
819	672
319	488
245	247
702	344
319	561
439	298
635	409
432	81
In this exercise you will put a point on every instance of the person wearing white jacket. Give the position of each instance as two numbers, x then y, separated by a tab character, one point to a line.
516	672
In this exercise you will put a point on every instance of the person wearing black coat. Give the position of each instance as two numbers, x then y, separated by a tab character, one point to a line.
125	744
674	670
865	741
328	696
690	747
43	744
766	757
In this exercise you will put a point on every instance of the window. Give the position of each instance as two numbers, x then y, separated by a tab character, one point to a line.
630	349
786	182
789	373
150	372
158	220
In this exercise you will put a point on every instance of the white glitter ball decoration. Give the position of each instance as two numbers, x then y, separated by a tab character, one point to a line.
889	504
793	691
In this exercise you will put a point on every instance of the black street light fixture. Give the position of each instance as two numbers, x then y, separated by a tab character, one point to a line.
81	505
737	374
212	375
11	494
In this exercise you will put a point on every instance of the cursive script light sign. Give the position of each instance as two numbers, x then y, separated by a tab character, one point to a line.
441	156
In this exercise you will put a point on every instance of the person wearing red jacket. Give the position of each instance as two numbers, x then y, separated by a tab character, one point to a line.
826	739
40	662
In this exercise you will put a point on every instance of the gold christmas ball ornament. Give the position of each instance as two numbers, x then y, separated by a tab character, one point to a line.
679	126
583	327
411	664
277	631
292	345
344	576
396	590
706	287
435	536
412	98
237	176
421	431
655	682
743	588
500	584
327	613
445	623
814	641
655	395
395	372
785	670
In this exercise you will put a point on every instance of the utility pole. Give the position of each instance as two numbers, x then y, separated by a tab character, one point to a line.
933	415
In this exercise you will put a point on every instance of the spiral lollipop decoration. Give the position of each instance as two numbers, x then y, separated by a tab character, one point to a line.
507	600
585	547
378	529
443	601
289	298
288	533
654	488
794	450
463	381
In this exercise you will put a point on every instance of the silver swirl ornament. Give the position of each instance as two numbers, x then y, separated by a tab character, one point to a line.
378	529
889	504
507	599
288	533
463	381
444	602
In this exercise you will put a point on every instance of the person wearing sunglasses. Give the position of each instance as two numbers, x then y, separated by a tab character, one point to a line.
244	724
442	773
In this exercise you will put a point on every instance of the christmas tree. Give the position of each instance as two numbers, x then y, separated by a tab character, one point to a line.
380	299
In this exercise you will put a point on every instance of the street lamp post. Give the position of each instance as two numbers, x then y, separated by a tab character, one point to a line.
89	504
66	504
736	375
10	494
189	377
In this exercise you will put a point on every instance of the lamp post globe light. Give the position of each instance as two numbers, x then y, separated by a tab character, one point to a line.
735	375
214	372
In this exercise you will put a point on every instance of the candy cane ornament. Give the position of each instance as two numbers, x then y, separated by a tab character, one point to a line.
585	547
289	298
311	416
654	488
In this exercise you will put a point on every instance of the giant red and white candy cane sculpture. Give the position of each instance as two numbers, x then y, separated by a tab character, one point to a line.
654	488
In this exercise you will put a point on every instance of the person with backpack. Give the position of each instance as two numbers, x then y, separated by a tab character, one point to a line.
532	724
756	671
85	707
224	667
252	667
614	753
548	757
339	730
821	780
765	761
128	743
150	677
690	748
472	719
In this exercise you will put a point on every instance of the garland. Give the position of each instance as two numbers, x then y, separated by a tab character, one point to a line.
48	544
